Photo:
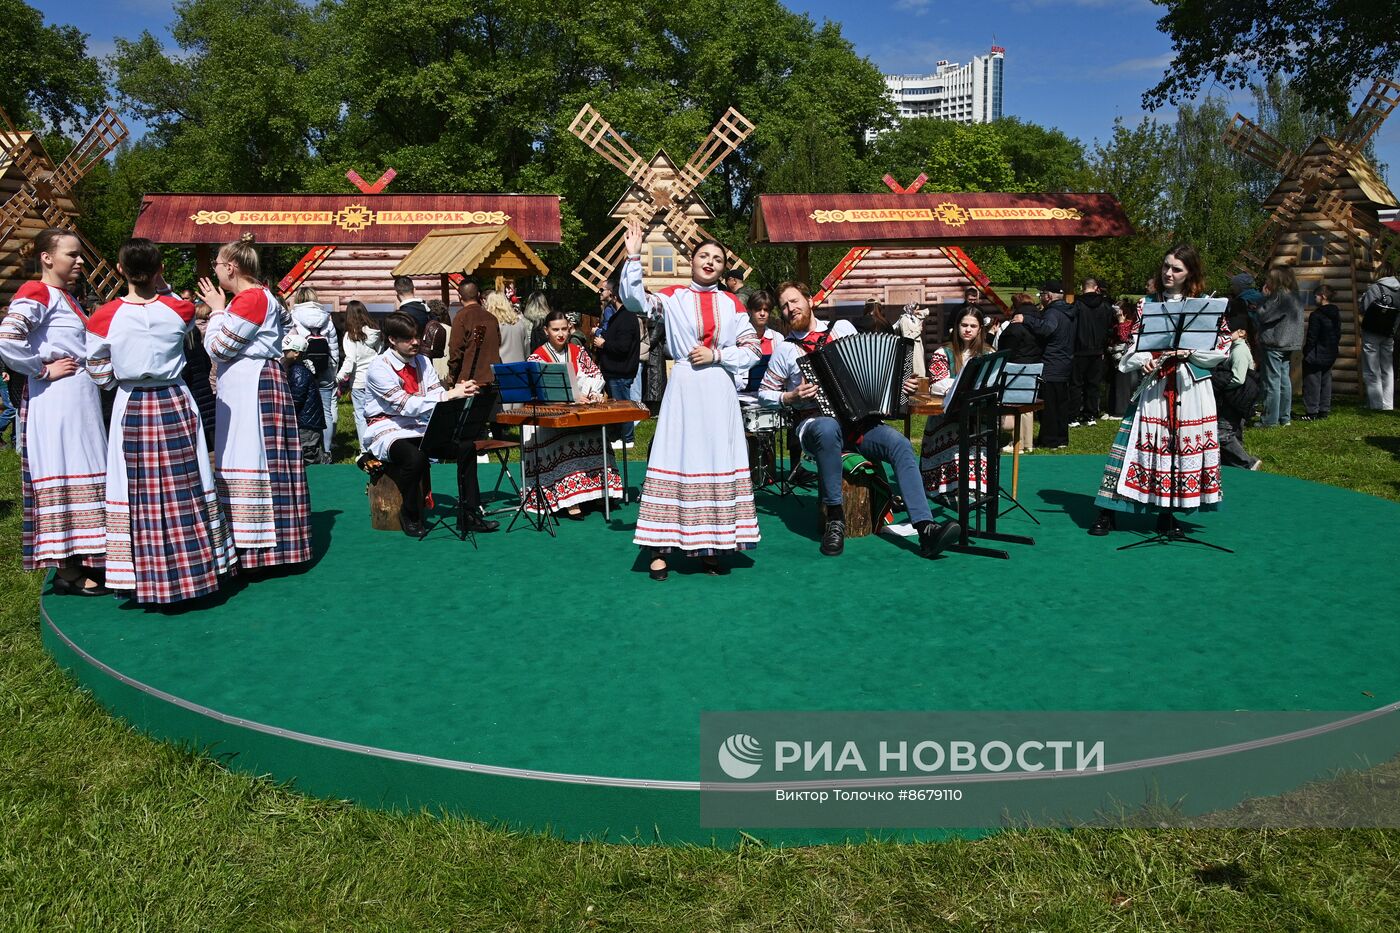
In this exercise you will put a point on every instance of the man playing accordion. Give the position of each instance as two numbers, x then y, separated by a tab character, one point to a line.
825	438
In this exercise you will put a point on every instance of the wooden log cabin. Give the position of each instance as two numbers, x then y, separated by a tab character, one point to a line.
1319	250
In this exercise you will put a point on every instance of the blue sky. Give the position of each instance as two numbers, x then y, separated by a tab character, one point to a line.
1071	64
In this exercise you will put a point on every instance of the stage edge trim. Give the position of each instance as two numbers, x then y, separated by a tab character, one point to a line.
693	786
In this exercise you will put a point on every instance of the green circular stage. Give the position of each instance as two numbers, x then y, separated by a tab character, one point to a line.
548	684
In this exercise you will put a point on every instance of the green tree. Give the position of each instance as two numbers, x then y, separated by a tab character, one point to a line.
49	78
1134	165
1327	46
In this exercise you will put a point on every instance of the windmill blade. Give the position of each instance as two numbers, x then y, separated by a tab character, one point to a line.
1378	104
1365	232
1254	255
14	150
105	134
687	234
1248	138
726	136
597	267
12	212
597	134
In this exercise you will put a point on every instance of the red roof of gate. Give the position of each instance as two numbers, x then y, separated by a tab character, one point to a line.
340	219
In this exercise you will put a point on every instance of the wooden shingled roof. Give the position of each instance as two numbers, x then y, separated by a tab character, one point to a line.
494	250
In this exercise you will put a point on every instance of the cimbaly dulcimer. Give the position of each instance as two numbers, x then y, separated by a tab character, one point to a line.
577	415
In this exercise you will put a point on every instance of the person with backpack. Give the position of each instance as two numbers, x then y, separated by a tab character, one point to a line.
1237	387
311	319
1320	347
301	382
1380	311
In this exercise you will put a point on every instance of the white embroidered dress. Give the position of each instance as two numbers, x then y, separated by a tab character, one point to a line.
697	496
61	436
402	396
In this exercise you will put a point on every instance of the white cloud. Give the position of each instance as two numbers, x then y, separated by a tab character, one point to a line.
1150	63
917	7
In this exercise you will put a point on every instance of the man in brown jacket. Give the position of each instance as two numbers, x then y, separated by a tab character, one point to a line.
461	348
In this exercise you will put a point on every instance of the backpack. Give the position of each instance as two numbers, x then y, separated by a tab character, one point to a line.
1382	315
318	354
434	342
1239	399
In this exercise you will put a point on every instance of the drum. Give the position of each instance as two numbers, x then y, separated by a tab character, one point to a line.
759	420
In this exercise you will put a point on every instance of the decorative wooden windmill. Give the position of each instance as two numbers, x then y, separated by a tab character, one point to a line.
660	192
38	195
1324	213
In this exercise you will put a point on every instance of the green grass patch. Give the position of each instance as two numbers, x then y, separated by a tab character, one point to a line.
103	829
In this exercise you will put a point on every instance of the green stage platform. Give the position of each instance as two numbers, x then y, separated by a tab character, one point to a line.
550	685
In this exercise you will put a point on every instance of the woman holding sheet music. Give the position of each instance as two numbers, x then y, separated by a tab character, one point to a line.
1166	456
569	467
939	462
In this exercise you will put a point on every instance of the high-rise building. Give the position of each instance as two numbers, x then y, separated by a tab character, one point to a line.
968	93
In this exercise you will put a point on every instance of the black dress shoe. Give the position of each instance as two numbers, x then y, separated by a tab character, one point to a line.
413	527
834	538
76	588
1103	524
933	537
660	573
472	520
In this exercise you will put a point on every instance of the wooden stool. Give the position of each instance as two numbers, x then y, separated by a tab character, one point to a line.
863	506
384	505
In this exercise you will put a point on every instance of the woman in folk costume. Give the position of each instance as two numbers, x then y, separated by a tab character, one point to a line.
567	463
939	462
257	456
167	539
1166	455
63	446
697	496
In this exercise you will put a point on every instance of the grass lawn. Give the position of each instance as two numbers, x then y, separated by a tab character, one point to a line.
102	829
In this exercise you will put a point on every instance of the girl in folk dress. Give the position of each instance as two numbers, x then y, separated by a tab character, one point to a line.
167	539
257	457
1166	456
63	447
568	461
939	463
697	496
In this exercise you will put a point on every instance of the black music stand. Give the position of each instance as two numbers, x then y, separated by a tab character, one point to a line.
534	383
1020	385
974	401
453	423
1188	324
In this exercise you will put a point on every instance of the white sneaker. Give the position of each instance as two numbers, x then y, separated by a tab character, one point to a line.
483	458
1254	467
617	445
1076	424
630	444
1007	449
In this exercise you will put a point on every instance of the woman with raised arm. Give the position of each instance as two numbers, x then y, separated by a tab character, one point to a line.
257	447
1166	456
63	448
697	497
167	538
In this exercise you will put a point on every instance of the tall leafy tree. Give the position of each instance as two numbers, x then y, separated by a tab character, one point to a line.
49	80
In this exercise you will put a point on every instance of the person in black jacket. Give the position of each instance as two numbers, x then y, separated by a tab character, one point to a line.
301	380
1320	346
1054	325
1093	331
1017	340
617	346
410	305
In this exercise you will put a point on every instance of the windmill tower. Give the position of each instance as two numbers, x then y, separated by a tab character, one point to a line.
1323	216
661	194
34	195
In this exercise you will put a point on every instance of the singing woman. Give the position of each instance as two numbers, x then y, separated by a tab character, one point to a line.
63	447
1166	456
697	497
257	455
167	538
565	466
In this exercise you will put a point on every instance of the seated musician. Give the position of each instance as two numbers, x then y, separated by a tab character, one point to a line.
569	461
825	438
403	389
939	464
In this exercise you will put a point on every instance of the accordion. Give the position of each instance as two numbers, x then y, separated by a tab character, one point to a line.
860	377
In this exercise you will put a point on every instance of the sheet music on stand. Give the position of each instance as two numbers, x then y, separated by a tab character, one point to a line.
534	381
1186	324
1021	383
457	420
981	374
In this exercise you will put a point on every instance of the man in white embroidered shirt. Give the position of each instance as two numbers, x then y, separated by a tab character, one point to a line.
823	437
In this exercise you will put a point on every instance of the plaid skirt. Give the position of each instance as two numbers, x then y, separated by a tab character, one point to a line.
167	540
291	504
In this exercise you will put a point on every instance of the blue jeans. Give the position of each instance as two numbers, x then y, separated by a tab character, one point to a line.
635	393
821	437
1278	388
328	407
8	412
621	390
